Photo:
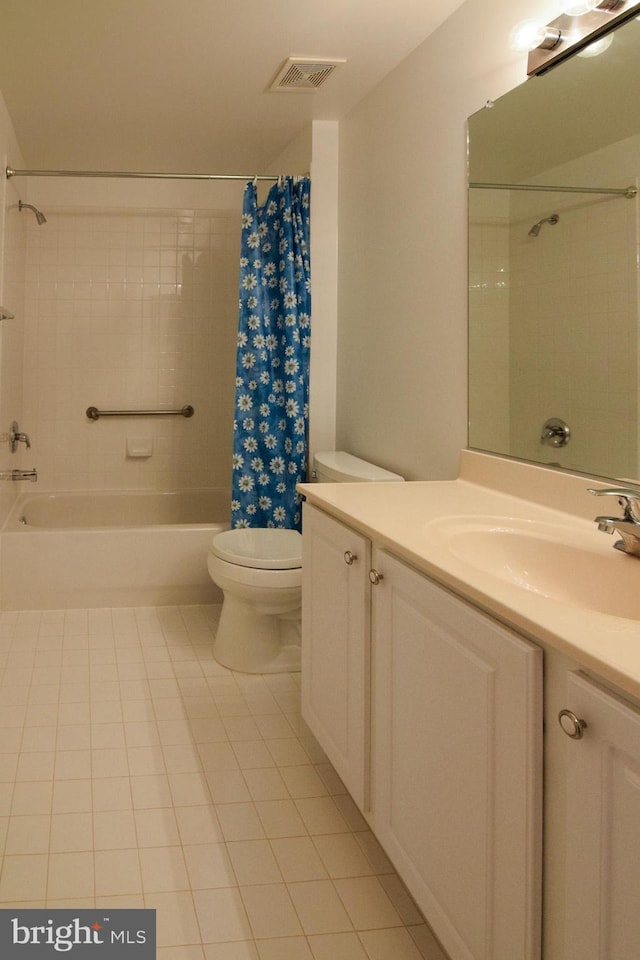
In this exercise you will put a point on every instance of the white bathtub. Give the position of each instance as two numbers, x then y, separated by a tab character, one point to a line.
66	550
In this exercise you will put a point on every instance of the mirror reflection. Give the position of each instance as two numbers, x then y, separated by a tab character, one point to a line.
554	350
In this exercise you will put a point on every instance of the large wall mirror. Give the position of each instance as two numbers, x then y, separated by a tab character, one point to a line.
554	343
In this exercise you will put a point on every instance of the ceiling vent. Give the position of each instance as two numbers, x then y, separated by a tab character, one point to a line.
303	74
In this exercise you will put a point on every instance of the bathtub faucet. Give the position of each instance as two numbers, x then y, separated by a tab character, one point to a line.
19	475
16	437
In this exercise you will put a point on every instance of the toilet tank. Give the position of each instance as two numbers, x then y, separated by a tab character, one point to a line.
336	466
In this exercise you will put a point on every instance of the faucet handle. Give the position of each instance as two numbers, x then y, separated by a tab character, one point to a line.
627	498
15	437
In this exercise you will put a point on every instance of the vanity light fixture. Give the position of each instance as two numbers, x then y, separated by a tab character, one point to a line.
580	25
533	35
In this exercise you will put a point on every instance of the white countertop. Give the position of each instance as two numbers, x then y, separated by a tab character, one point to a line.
397	516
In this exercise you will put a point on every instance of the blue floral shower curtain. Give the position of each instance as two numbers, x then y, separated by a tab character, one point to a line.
272	368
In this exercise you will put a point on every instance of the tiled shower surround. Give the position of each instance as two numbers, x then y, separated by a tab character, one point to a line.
130	309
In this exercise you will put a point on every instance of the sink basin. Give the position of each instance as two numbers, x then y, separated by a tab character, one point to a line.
565	563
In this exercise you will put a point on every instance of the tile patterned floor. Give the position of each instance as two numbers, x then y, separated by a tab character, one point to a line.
135	771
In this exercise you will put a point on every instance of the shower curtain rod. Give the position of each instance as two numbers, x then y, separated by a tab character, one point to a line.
629	192
10	172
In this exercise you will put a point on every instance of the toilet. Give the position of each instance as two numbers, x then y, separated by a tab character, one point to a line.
259	571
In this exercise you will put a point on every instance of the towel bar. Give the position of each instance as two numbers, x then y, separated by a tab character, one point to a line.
94	414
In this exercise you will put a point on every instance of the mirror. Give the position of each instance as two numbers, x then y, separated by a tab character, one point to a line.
554	347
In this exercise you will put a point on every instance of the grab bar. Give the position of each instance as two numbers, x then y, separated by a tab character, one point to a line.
94	414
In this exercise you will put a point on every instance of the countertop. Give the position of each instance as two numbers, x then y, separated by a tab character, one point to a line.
406	518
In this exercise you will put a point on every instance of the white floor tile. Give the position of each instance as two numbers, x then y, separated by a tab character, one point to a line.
319	907
117	872
340	946
240	950
281	948
28	834
280	818
198	824
71	875
176	920
114	830
221	915
298	859
342	855
209	866
321	815
136	771
270	910
71	832
396	943
24	878
265	784
163	869
367	903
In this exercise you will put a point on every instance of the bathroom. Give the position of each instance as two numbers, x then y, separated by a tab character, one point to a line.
390	355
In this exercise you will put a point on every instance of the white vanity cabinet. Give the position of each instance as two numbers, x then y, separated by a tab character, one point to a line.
446	707
335	645
457	754
601	824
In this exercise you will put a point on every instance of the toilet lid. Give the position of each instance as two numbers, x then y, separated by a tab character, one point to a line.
260	547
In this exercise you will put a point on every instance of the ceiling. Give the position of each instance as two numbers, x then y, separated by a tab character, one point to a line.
160	85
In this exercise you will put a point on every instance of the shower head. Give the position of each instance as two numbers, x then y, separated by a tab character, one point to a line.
535	229
40	217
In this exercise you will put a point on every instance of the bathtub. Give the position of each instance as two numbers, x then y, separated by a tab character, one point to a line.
69	550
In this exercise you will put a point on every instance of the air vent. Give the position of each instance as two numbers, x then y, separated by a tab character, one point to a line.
303	74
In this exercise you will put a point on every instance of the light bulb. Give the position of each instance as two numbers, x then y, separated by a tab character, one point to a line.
531	34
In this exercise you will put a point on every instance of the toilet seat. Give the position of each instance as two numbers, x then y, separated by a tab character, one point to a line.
260	548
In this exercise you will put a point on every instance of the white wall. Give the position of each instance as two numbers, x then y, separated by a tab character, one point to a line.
12	259
402	242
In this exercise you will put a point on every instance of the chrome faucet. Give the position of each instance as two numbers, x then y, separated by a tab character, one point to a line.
15	437
19	475
628	525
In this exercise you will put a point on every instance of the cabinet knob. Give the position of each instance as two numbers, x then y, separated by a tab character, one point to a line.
375	577
573	726
349	557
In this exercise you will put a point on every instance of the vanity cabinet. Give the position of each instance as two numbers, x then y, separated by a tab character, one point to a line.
335	646
601	823
457	752
438	707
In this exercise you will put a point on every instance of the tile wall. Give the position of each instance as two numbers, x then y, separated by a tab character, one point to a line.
574	348
554	319
12	347
130	308
489	335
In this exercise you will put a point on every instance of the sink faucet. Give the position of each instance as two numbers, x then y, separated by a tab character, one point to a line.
628	525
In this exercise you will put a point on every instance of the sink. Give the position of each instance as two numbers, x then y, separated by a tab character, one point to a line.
570	564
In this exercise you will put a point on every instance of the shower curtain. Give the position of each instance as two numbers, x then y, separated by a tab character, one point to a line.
272	367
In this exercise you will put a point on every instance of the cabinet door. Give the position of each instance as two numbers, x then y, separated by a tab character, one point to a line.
602	898
457	736
335	645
